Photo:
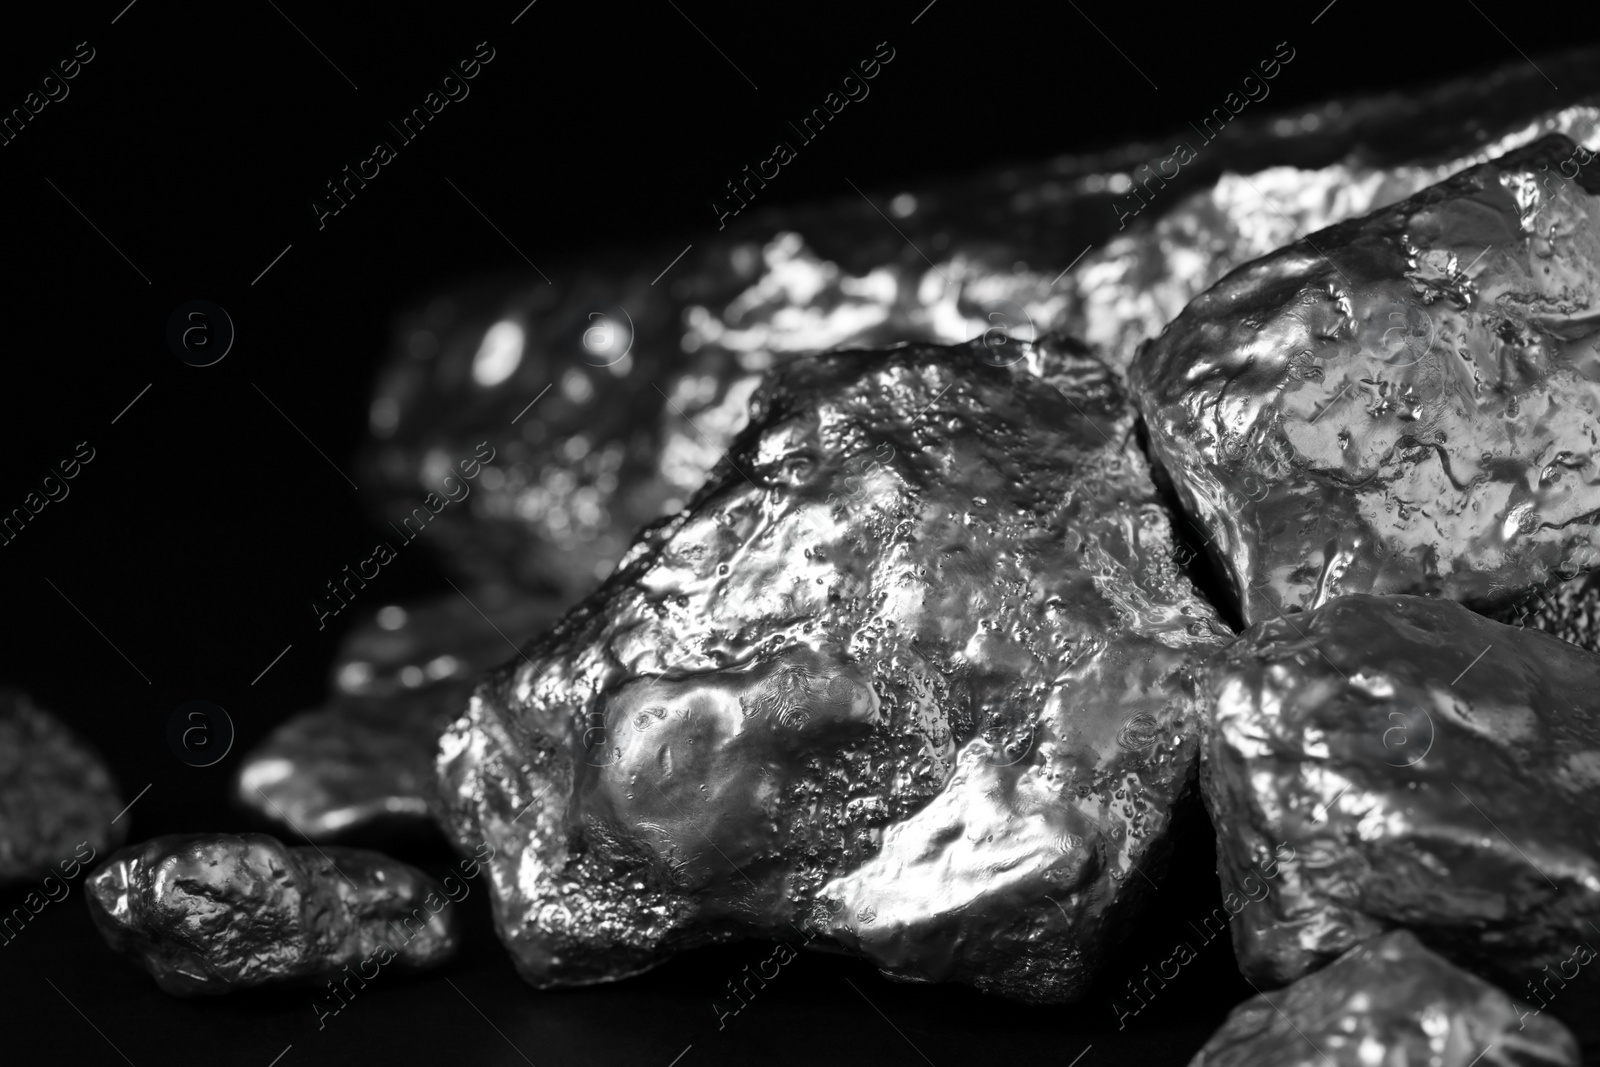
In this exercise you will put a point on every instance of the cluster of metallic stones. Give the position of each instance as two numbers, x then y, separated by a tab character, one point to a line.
920	647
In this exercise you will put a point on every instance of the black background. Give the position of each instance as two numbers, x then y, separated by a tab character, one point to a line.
194	142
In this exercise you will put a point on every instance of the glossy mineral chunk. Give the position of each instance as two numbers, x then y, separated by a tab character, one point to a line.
609	395
1422	767
55	793
366	757
911	676
1388	1002
1405	403
209	914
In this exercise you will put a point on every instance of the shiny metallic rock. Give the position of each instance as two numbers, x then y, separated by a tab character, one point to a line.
1388	1002
207	914
606	398
1401	761
1400	404
55	793
366	757
910	677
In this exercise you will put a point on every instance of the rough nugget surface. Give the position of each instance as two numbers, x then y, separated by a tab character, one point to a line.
214	913
1429	769
911	676
1388	1001
55	794
1404	403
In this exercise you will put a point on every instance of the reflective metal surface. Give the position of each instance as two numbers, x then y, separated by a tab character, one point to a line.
208	914
1388	1002
1409	763
910	677
1400	404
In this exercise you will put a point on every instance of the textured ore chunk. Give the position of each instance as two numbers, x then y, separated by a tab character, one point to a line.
1407	763
911	677
1388	1002
1404	403
55	793
215	913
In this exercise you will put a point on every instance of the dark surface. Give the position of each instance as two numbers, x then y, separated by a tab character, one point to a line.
808	1014
199	535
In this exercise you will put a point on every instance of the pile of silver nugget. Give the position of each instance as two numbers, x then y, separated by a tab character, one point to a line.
891	589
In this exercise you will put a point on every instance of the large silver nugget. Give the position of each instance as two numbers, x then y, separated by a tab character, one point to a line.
911	676
1405	403
1388	1002
215	913
1405	762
